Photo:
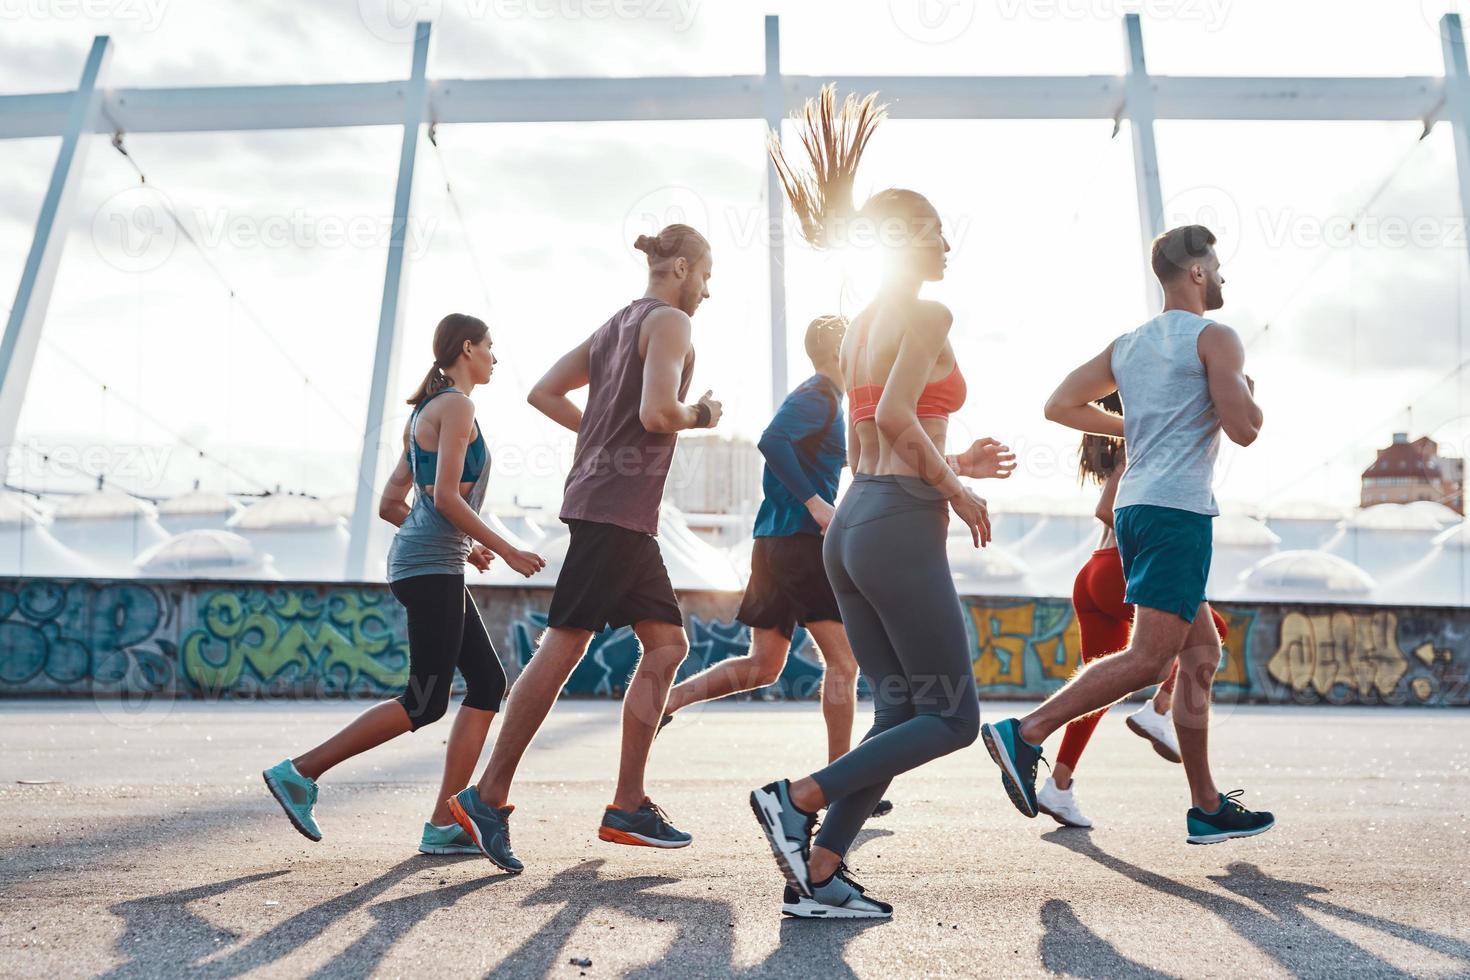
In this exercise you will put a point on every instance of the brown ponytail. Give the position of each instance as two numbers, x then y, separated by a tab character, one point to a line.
1098	456
673	242
449	340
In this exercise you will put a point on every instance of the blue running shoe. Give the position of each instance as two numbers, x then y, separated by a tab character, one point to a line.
447	840
297	796
1017	759
839	897
1229	821
647	826
487	826
788	829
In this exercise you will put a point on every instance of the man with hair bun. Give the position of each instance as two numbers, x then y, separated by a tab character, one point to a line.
636	368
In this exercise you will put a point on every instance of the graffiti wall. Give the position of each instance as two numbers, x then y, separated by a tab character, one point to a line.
203	639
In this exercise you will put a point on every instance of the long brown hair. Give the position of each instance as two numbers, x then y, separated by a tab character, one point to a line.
449	340
1098	456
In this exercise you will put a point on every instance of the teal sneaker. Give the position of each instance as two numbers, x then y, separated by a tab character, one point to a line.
839	897
447	840
297	796
647	826
788	829
1017	759
487	826
1227	822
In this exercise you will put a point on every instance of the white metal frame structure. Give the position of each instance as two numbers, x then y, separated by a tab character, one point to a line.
1134	95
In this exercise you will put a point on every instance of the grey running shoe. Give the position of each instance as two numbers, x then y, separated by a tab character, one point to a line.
788	828
839	897
488	827
647	826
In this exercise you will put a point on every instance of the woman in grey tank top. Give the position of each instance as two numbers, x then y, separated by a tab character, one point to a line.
446	463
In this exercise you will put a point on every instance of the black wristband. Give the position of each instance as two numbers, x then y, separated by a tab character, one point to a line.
702	415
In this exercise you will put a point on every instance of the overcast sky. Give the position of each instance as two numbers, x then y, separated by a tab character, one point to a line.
1345	239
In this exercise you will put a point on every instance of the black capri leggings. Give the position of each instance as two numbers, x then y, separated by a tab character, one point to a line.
445	631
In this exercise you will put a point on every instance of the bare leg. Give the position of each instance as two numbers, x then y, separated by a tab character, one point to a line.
466	741
664	648
1198	662
839	684
1157	638
378	724
531	698
734	674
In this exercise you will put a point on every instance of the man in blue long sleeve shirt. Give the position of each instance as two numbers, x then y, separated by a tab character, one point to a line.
805	447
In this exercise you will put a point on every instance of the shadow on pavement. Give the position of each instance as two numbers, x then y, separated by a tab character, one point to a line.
1279	927
1069	947
162	937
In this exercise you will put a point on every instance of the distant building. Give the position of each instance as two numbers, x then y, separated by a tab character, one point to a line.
1408	471
715	475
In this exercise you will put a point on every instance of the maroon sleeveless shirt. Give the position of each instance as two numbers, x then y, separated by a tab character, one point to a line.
619	470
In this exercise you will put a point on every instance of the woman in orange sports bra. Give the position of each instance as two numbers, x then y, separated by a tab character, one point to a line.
884	550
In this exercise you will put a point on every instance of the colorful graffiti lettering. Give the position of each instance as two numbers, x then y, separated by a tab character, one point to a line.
340	639
209	639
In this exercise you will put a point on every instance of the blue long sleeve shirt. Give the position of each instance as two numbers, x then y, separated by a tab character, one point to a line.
805	447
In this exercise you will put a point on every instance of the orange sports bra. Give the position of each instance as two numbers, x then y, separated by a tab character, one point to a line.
938	400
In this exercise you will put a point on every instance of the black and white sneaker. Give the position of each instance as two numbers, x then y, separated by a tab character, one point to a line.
839	897
788	829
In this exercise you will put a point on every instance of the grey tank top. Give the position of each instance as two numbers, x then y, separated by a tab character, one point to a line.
426	543
620	468
1169	423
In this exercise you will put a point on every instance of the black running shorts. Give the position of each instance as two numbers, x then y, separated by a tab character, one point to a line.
788	585
612	577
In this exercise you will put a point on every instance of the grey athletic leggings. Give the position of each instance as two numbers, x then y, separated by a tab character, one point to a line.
885	557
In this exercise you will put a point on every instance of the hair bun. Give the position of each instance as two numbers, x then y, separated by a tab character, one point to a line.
647	243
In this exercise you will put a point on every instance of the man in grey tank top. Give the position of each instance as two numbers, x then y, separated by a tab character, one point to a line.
637	369
1182	381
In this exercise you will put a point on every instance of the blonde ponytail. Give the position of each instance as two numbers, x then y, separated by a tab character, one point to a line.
834	139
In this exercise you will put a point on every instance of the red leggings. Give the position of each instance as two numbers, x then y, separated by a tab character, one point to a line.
1105	621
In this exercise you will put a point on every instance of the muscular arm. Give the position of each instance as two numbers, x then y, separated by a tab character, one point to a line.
1223	356
1072	403
456	429
668	332
549	395
897	416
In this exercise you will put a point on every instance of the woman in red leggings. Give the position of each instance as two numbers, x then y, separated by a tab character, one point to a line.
1105	622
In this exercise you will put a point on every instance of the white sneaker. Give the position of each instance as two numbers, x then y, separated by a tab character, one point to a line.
1157	728
1060	805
